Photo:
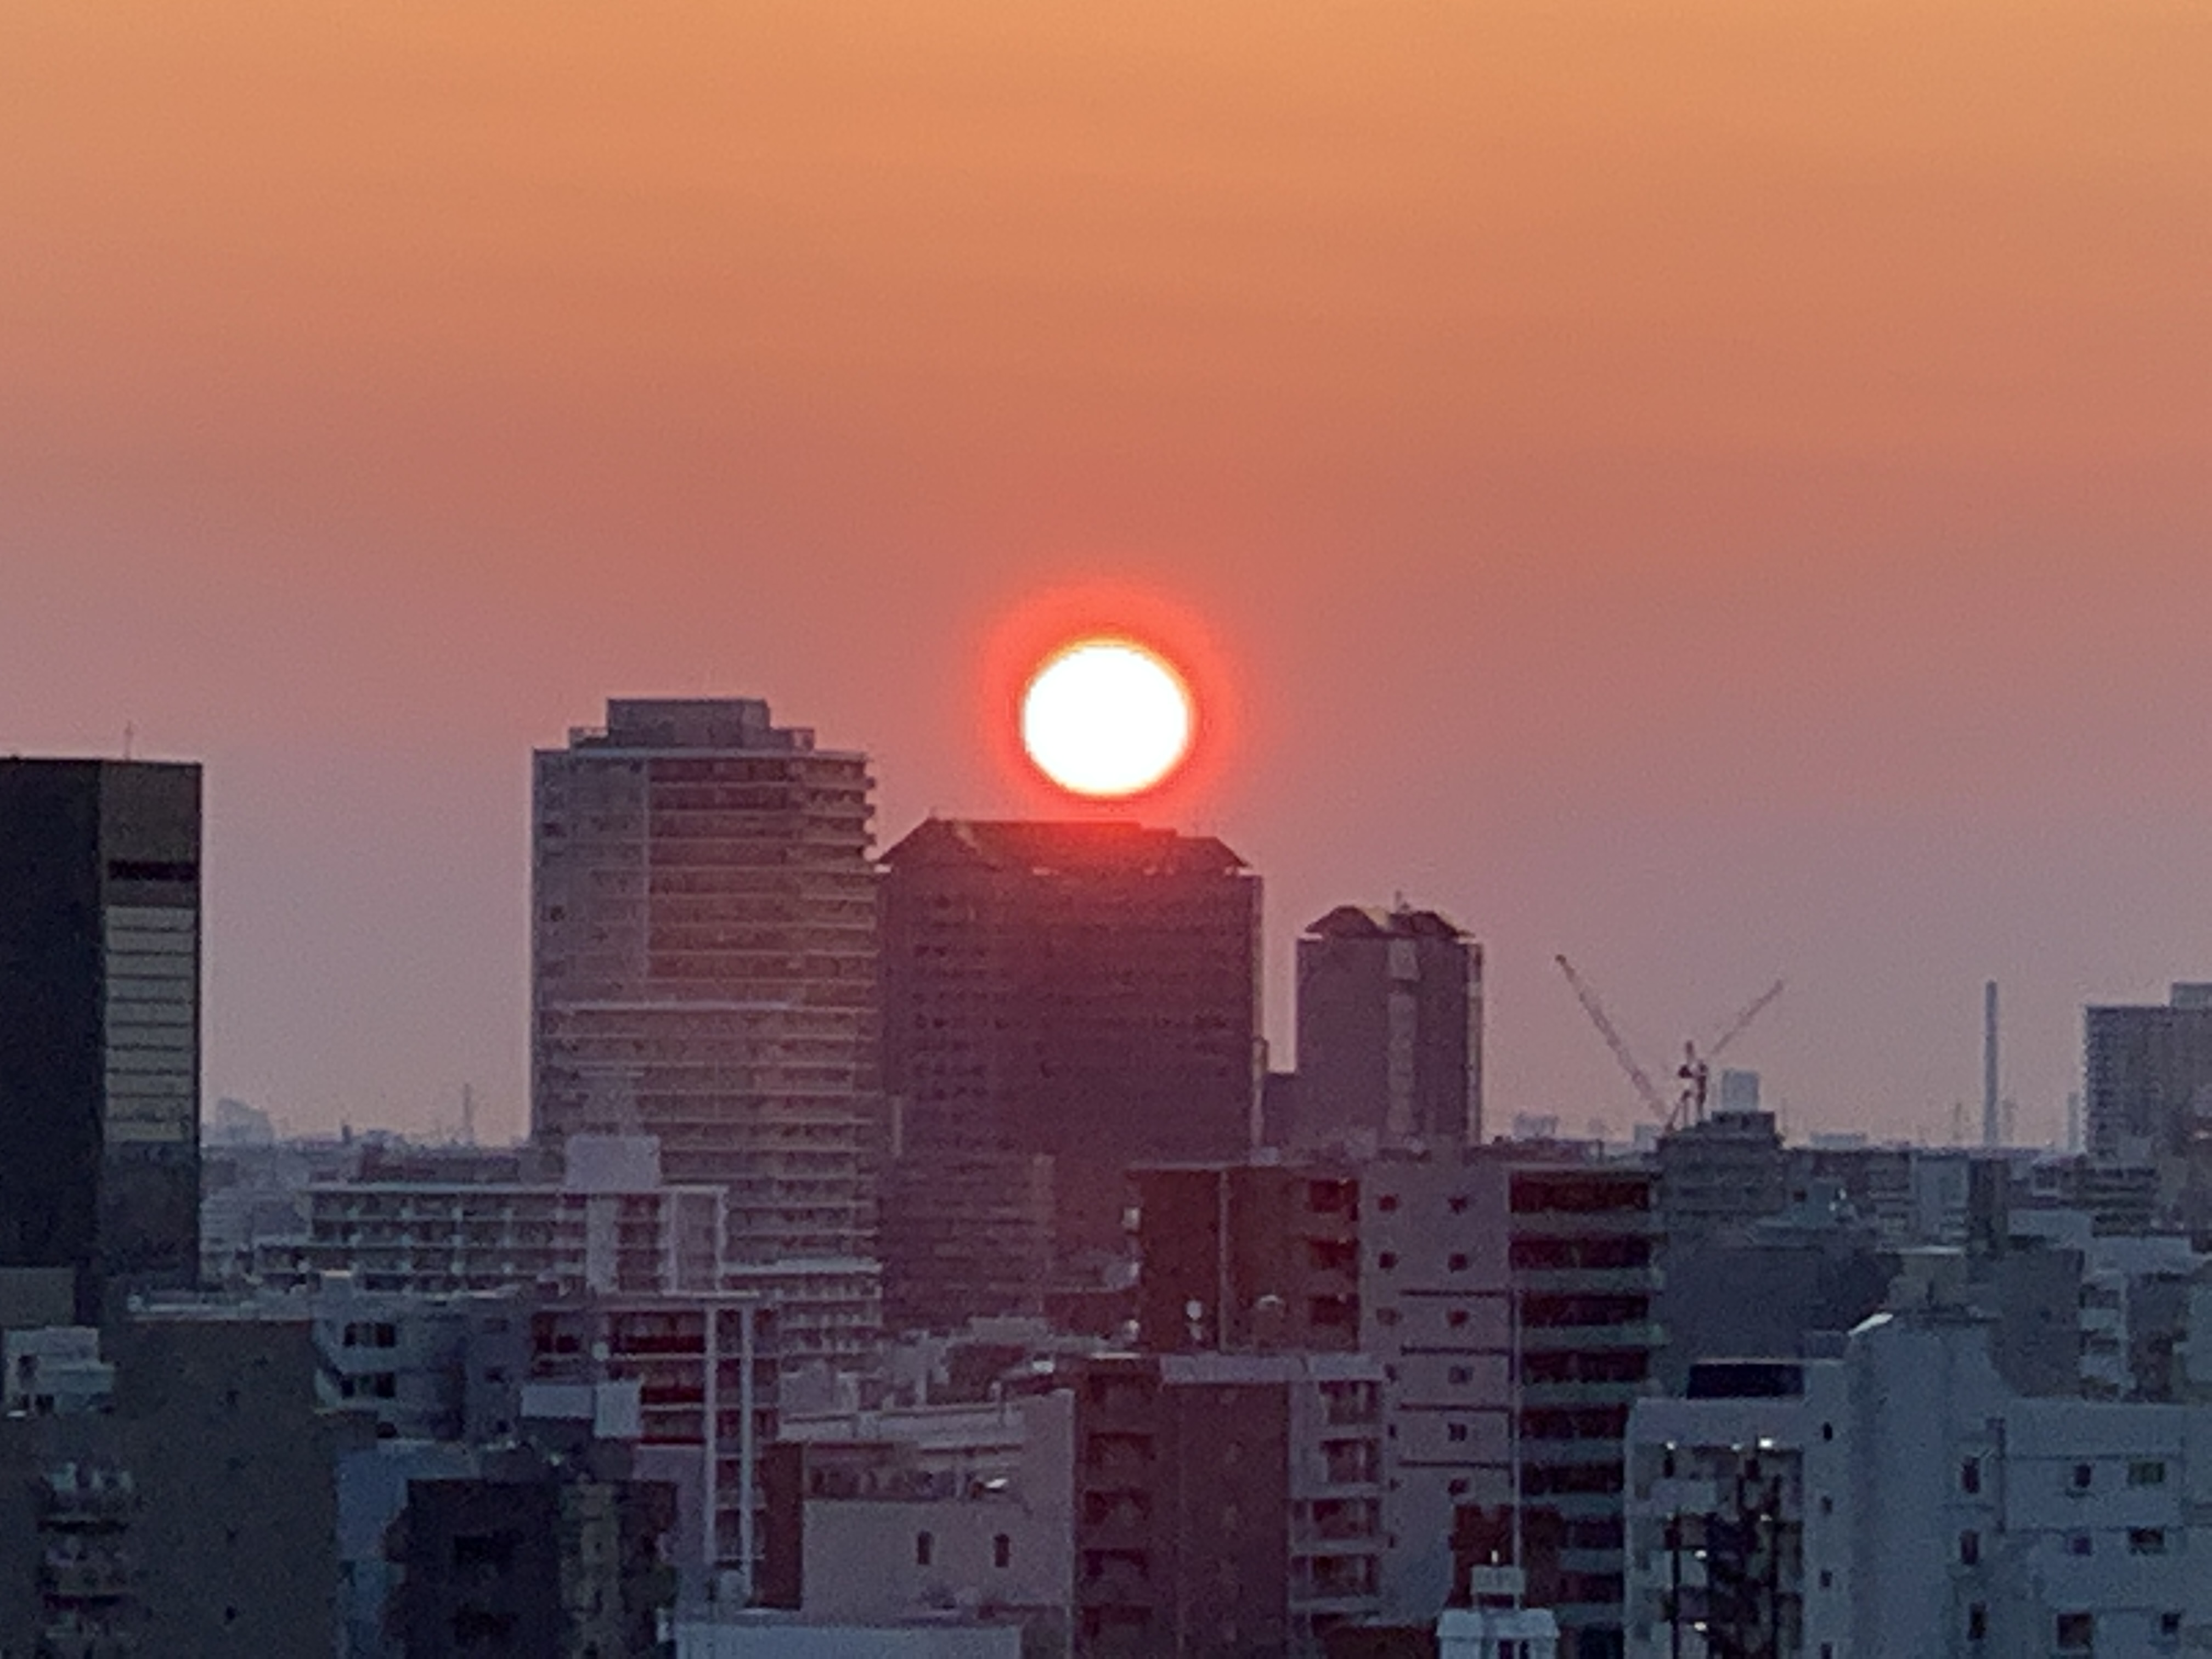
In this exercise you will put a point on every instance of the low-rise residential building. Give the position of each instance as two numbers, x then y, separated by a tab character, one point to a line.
929	1513
609	1224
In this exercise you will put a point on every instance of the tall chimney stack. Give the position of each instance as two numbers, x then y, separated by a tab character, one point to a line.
1992	1132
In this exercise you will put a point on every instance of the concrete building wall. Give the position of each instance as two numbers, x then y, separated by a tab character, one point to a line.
1390	1039
200	1513
1930	1509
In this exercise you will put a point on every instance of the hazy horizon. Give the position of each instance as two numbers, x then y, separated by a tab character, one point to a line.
1722	494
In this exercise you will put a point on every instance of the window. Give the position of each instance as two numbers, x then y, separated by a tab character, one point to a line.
2145	1540
1386	1317
1827	1506
2076	1633
2169	1624
2078	1544
1455	1318
924	1547
1978	1622
1827	1431
2085	1476
1827	1579
1970	1475
1002	1551
1970	1549
1456	1431
2146	1472
1458	1262
1387	1201
1462	1375
1387	1261
1459	1204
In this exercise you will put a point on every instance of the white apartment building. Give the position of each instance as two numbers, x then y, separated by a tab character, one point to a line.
1902	1499
922	1512
1508	1292
609	1224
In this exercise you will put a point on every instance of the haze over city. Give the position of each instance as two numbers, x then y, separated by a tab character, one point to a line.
1720	494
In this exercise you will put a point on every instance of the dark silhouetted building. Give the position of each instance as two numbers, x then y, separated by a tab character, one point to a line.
703	953
2148	1071
540	1557
100	947
1086	991
1389	1012
190	1507
1242	1256
1720	1175
1224	1504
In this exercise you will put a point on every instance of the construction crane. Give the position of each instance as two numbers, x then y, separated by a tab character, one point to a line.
1695	1071
1645	1088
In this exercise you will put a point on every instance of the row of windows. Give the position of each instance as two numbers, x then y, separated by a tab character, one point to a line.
2080	1478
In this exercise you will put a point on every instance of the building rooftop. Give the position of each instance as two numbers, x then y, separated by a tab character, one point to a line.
1067	847
723	723
1367	922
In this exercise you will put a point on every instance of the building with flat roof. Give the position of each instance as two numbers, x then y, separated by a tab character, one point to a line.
100	970
1902	1498
1510	1293
1389	1018
1225	1502
1085	992
2148	1072
703	963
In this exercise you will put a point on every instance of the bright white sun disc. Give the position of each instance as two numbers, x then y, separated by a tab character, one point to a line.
1106	718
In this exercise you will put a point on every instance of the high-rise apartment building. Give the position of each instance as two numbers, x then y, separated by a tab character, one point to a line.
703	944
1510	1293
100	955
1507	1292
1389	1016
1088	992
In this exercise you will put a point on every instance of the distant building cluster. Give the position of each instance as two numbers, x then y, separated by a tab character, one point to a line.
914	1254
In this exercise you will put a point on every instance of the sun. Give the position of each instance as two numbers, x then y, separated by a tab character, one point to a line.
1107	718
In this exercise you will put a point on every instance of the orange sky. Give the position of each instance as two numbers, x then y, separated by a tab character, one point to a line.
1719	489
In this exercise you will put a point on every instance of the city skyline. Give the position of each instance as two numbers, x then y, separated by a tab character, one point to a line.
1720	495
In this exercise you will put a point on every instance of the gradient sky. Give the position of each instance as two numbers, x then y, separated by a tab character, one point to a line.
1719	489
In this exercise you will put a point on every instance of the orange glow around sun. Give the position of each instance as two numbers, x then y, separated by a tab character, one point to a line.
1109	695
1107	718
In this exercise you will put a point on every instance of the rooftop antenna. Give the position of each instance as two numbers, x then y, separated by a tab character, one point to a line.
468	1115
130	736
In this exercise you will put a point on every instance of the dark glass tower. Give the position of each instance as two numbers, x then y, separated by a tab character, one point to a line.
99	952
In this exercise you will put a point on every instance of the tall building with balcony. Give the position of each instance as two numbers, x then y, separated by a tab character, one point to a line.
100	961
1225	1503
1510	1295
1389	1014
1084	992
703	954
